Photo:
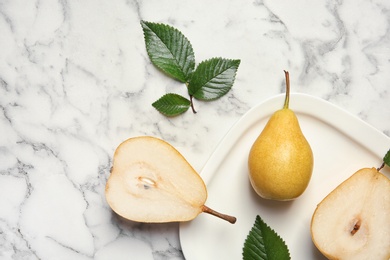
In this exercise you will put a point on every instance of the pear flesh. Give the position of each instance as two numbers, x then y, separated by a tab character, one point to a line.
353	221
151	182
280	161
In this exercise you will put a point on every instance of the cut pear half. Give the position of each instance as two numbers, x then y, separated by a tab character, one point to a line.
353	221
152	182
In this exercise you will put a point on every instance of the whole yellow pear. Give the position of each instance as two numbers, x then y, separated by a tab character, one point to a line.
281	160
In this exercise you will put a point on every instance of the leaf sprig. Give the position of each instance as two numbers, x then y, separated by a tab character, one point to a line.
263	243
170	51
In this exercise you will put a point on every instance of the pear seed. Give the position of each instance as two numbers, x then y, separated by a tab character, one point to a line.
147	182
356	227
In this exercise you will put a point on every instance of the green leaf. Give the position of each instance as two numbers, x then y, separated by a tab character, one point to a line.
386	159
172	104
169	50
263	243
213	78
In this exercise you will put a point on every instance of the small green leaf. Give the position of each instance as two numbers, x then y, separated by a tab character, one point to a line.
386	159
213	78
172	104
263	243
169	50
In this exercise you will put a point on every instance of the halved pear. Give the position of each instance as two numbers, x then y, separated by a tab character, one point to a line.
152	182
353	221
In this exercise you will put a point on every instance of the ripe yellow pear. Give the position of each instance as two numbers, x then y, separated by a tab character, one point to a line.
281	160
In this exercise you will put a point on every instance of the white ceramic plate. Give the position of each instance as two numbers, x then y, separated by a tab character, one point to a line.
341	144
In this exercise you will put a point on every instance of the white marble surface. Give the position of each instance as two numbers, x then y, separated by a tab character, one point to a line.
75	81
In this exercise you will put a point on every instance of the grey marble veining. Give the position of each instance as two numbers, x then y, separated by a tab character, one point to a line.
75	81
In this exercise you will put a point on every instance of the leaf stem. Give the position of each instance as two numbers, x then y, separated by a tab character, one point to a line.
287	98
192	104
381	167
228	218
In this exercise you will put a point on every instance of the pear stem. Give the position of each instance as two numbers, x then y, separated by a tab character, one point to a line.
228	218
287	98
